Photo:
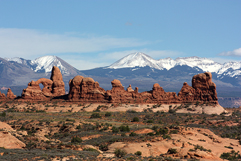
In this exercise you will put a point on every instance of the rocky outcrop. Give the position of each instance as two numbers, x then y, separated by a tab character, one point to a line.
2	95
203	89
10	94
86	89
51	87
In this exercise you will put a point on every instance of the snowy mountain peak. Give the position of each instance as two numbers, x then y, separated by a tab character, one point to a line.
46	63
142	60
133	60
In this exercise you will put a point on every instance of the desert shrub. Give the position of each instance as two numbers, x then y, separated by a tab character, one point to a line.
76	139
135	119
3	114
172	151
124	128
150	134
78	127
71	120
172	111
163	131
201	148
133	134
95	115
231	156
154	128
174	131
166	137
103	147
138	153
120	153
150	121
107	114
91	149
131	111
115	129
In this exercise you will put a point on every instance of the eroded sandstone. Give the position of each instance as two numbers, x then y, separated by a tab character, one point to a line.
86	89
53	87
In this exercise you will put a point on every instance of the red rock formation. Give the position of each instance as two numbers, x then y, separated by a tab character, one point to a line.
129	89
203	89
10	94
2	95
52	87
85	89
118	94
186	93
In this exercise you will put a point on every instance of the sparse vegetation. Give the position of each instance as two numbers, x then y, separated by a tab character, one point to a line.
101	129
120	153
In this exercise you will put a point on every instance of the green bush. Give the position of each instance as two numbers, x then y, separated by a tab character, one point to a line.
231	156
150	121
103	147
135	119
3	114
172	151
163	131
172	111
91	149
120	153
138	153
115	129
124	128
107	114
133	134
166	137
150	134
76	139
95	115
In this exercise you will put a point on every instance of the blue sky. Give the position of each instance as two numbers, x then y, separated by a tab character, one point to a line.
96	33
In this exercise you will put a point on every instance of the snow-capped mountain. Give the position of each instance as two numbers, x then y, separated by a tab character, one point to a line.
135	60
207	65
44	64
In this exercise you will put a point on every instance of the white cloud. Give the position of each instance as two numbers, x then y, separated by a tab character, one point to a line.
30	44
236	52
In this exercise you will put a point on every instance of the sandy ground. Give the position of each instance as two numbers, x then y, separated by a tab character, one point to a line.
183	142
79	107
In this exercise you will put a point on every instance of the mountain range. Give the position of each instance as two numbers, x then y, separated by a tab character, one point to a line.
138	69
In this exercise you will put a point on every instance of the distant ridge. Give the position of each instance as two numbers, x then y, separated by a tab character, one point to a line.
207	65
44	64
